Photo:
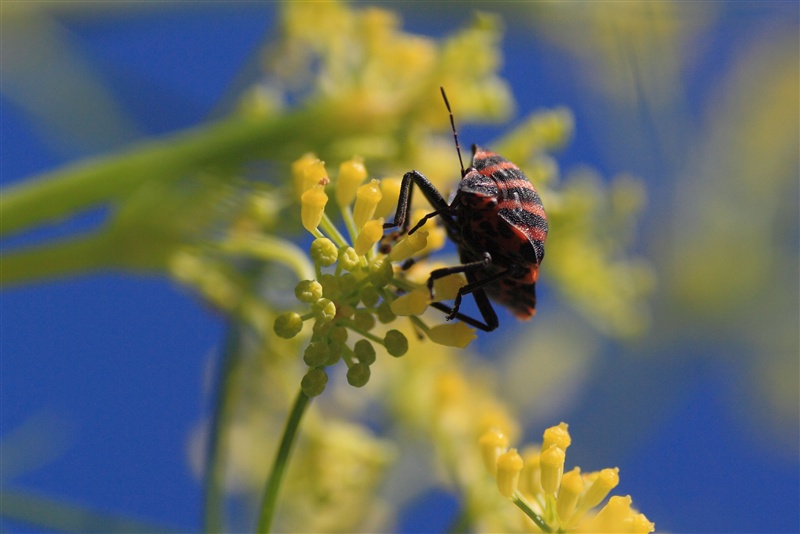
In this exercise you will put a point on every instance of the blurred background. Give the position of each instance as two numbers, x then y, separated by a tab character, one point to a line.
104	375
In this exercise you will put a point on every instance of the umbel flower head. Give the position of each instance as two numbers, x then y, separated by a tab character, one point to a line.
553	500
358	290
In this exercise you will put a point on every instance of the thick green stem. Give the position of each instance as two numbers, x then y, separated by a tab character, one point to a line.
79	255
56	194
281	461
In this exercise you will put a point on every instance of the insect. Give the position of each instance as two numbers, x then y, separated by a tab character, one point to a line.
497	221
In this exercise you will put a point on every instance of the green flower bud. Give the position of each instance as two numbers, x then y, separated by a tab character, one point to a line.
358	375
324	309
287	325
330	286
308	291
348	259
396	343
347	284
364	320
324	252
335	355
345	310
322	330
385	313
364	351
369	296
381	272
338	334
314	382
316	354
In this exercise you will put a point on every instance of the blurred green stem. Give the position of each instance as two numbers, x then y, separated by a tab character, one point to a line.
218	439
60	193
279	465
84	254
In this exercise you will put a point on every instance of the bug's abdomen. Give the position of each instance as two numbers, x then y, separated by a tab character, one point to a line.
503	210
515	293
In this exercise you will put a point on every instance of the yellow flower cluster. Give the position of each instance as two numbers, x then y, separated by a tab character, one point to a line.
553	500
356	286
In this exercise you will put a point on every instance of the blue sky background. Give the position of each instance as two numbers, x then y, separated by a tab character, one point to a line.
105	373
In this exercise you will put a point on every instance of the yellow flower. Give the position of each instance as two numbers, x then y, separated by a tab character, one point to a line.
413	303
367	198
455	334
313	207
555	500
370	234
351	173
509	466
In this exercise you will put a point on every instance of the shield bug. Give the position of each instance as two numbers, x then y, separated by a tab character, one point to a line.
497	221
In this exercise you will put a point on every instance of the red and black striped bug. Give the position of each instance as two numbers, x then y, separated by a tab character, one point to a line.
497	221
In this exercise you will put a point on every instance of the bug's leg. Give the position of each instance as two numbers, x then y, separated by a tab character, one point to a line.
440	205
473	285
488	314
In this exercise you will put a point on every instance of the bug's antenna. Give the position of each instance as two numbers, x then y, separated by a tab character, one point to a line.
455	135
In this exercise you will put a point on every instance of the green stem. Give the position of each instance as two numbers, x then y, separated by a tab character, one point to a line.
355	328
80	255
536	518
49	514
271	248
279	465
56	194
329	228
218	440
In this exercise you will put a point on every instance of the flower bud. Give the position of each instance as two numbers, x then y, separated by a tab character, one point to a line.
493	443
351	173
381	272
413	303
364	320
385	313
396	343
509	466
348	259
358	375
551	463
370	234
364	351
446	287
313	207
369	296
324	310
316	354
558	436
308	291
367	198
408	246
456	334
390	192
287	325
314	382
299	172
615	516
605	481
568	493
323	252
315	174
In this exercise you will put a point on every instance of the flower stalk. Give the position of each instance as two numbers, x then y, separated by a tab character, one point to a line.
275	478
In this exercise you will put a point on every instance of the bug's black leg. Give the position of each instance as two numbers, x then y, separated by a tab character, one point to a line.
440	205
488	314
422	221
474	285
